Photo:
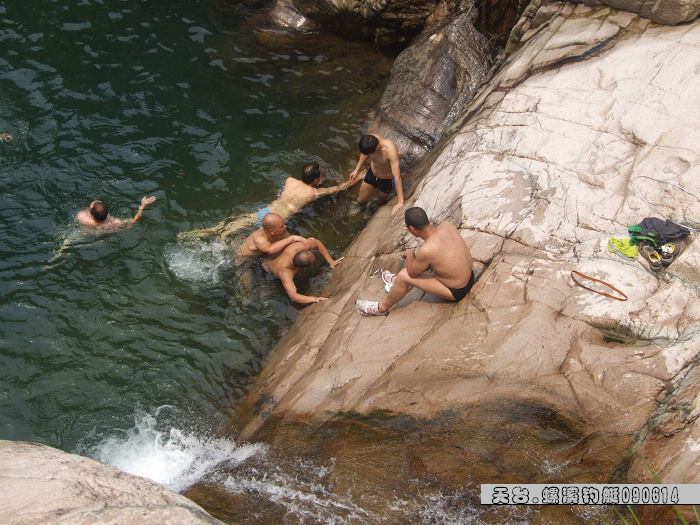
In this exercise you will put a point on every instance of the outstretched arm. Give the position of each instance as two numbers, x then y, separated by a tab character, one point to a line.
318	245
320	192
144	202
287	279
276	247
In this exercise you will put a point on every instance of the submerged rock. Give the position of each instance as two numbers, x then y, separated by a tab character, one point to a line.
588	127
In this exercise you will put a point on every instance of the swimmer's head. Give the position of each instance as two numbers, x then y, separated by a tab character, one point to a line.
368	144
274	223
310	173
303	259
98	210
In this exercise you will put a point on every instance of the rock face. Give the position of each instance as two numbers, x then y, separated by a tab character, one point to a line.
432	81
39	484
588	127
670	12
388	23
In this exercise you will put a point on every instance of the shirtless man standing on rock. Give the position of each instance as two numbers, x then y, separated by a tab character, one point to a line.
384	172
295	195
296	257
444	251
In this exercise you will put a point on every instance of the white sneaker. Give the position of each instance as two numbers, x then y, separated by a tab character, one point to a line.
369	307
388	279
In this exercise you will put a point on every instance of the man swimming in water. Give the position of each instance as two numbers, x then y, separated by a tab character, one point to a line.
294	258
384	172
295	195
444	251
97	219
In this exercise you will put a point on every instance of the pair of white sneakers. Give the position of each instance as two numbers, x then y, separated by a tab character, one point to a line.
372	307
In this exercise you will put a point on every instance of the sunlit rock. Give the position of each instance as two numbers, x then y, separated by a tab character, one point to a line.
589	126
39	484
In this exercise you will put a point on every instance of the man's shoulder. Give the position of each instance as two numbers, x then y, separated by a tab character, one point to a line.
83	216
388	143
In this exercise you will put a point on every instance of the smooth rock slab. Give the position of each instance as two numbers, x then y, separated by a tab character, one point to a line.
40	484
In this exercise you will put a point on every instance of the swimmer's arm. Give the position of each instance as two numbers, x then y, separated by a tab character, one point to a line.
144	202
276	247
318	245
320	192
291	289
83	218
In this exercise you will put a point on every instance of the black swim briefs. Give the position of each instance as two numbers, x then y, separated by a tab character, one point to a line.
383	185
461	293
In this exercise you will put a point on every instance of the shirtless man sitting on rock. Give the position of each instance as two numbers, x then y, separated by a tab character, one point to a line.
384	172
296	257
295	195
444	251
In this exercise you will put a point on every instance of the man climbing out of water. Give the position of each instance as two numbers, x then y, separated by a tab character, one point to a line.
271	239
444	251
384	172
97	219
295	195
294	258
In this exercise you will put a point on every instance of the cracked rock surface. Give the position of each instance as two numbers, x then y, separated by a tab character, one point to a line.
590	125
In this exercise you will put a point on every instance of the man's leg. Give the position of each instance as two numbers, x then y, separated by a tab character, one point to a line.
382	197
366	191
403	283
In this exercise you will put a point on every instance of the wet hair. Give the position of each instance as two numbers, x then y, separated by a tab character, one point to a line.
99	211
310	172
303	259
417	218
368	144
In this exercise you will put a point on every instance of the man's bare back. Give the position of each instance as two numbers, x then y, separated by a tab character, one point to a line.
283	266
444	253
295	195
448	256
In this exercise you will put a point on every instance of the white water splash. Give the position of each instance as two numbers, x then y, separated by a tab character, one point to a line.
174	458
199	263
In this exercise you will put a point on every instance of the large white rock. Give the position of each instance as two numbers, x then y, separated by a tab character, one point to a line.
39	484
575	139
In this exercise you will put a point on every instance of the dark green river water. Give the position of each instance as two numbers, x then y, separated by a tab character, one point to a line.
133	340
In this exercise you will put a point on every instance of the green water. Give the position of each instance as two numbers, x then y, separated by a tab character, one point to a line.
134	333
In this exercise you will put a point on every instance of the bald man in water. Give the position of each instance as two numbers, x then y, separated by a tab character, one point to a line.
271	239
294	258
